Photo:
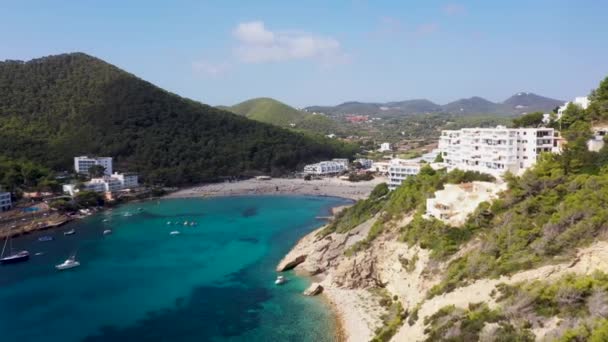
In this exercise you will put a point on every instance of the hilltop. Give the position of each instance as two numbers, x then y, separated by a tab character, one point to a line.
277	113
57	107
265	109
523	102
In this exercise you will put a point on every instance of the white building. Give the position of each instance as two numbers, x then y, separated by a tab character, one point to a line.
127	180
581	101
385	147
455	202
114	183
597	141
324	168
342	161
5	201
365	163
400	169
380	167
83	163
496	150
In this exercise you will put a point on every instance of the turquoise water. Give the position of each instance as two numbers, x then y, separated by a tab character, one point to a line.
213	282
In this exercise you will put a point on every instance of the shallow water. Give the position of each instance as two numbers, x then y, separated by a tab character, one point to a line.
213	282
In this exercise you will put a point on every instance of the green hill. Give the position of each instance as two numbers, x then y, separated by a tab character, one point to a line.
269	110
57	107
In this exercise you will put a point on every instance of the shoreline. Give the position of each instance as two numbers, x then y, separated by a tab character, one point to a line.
327	187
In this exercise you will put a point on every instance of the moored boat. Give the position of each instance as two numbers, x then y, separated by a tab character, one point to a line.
175	232
68	263
69	232
280	280
13	258
45	238
107	232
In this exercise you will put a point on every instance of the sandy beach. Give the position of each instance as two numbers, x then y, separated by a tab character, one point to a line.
283	186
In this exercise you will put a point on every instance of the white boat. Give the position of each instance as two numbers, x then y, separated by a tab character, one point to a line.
168	223
127	214
280	280
185	223
69	232
107	232
175	232
68	263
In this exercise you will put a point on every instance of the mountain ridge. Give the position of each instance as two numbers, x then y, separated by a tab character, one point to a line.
519	103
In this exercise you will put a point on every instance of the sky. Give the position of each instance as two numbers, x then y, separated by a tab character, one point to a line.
321	52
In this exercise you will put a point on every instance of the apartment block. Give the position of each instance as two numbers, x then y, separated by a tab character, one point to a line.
83	163
399	170
496	150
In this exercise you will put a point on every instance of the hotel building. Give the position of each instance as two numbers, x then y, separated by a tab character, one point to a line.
496	150
83	163
400	169
325	168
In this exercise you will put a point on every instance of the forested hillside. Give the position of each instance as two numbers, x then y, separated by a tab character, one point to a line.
56	107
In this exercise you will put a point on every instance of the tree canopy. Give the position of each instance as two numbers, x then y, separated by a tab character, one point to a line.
57	107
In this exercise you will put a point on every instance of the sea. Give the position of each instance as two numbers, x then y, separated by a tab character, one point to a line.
212	282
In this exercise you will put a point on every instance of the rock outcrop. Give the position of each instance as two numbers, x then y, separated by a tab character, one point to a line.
313	290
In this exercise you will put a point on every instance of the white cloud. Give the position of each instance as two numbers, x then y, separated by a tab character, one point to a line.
209	68
257	44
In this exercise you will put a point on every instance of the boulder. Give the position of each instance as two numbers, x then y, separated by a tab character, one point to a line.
289	263
313	290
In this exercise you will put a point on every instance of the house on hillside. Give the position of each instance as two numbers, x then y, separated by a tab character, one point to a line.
455	202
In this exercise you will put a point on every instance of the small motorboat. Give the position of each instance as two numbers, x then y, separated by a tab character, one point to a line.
168	223
45	238
69	232
105	220
175	232
185	223
68	263
107	232
192	224
280	280
39	254
127	214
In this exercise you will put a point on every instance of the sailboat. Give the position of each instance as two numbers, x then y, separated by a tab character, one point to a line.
13	258
68	263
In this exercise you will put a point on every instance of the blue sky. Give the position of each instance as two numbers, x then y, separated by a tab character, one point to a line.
327	52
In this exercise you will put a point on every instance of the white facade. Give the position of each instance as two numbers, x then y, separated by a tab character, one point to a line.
342	161
83	163
5	201
495	150
455	202
581	101
400	169
385	147
114	183
380	167
127	180
365	163
324	168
